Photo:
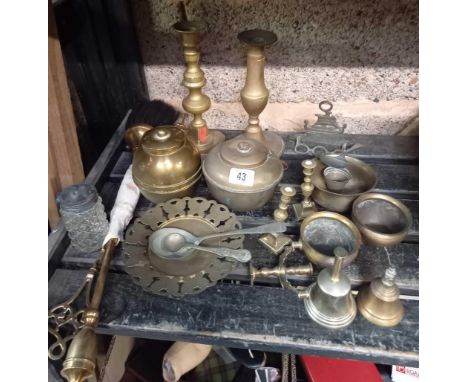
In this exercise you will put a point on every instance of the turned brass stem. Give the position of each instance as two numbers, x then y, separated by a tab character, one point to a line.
307	187
301	270
254	95
196	102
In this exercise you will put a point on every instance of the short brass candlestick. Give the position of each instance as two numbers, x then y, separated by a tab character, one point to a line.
273	241
307	206
254	95
196	102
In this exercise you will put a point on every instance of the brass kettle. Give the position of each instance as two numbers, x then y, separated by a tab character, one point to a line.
166	164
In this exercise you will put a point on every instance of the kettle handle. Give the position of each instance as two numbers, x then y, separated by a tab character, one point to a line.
134	134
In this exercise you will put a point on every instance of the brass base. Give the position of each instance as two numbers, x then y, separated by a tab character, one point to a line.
325	316
275	242
302	212
213	137
273	141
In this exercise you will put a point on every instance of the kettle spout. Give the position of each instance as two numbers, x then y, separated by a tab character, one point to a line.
134	134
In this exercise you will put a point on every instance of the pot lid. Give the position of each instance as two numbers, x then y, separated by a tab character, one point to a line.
242	165
244	152
163	140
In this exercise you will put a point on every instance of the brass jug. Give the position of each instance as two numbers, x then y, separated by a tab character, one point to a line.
166	164
329	301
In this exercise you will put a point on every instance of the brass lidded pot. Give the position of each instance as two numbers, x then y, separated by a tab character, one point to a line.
242	173
166	164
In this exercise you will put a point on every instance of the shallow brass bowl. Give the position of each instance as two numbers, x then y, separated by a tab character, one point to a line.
323	231
363	179
382	220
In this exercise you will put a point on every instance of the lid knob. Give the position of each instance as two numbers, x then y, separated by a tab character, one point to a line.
162	135
244	147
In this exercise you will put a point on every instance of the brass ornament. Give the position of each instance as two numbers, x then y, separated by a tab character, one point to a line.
254	94
329	301
242	173
196	102
307	206
380	302
165	163
382	219
326	123
363	179
273	241
191	274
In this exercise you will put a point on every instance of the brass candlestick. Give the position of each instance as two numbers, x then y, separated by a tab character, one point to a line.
273	241
254	95
307	206
196	102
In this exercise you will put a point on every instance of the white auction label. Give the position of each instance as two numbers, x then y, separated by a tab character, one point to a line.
242	176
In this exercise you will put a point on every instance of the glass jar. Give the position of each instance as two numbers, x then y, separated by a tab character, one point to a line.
84	217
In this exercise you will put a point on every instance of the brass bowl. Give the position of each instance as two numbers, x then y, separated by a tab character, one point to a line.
382	220
363	179
323	231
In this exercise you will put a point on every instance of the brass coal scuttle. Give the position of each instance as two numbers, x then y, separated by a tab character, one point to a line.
166	164
242	173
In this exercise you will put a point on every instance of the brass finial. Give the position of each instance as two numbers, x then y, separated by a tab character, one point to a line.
307	206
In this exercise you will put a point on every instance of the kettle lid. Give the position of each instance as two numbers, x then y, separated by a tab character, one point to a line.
163	140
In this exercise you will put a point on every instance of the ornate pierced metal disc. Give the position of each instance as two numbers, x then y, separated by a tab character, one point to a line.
191	274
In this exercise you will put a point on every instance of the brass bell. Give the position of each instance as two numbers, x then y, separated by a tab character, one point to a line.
329	301
380	302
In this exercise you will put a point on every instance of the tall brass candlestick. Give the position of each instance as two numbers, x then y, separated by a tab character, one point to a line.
254	95
196	102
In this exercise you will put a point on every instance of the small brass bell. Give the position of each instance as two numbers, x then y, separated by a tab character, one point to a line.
329	301
380	302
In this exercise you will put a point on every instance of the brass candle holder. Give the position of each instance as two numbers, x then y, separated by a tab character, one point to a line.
276	242
254	95
307	206
196	102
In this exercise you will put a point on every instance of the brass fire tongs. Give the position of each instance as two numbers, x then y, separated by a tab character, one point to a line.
64	315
